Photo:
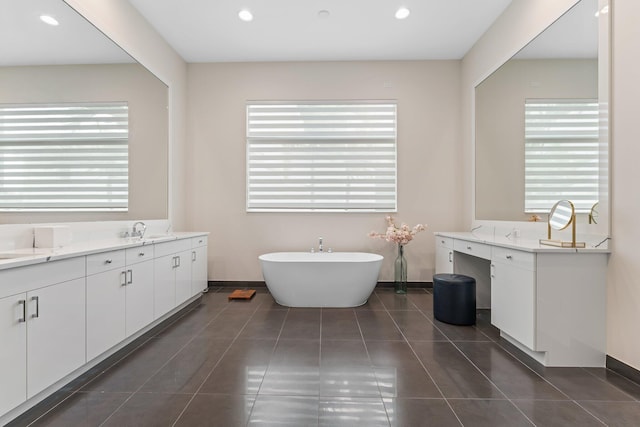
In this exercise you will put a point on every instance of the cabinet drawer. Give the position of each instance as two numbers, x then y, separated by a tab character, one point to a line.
472	248
175	246
139	254
104	261
198	241
444	242
519	259
23	279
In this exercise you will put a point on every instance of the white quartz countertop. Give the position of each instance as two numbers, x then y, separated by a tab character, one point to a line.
29	256
521	244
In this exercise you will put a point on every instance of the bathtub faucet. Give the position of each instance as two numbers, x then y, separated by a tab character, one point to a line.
320	244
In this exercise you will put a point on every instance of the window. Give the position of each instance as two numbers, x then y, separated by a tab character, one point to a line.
561	153
338	156
64	157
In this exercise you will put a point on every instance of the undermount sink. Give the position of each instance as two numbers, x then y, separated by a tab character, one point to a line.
22	254
14	256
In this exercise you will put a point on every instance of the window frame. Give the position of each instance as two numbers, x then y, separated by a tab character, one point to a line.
64	157
378	139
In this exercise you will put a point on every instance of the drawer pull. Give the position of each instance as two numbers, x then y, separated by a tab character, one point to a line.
509	257
23	303
108	261
37	313
468	247
450	256
141	254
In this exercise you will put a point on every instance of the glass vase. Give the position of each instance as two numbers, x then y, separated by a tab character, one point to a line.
400	283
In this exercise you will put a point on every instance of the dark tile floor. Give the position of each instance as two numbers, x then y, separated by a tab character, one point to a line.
387	363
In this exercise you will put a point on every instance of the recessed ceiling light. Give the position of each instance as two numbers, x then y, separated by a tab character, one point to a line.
245	15
403	13
47	19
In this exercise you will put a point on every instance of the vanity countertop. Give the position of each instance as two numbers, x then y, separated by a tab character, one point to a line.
29	256
521	244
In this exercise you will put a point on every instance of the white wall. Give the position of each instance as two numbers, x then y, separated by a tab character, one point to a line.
428	152
623	296
520	22
121	22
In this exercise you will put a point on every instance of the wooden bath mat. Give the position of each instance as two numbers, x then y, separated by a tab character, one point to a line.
245	294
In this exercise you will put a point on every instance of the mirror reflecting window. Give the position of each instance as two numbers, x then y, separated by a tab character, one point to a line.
514	174
72	63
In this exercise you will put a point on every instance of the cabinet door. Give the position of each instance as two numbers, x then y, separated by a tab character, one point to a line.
139	296
513	302
105	311
444	260
13	356
183	277
164	295
199	279
56	333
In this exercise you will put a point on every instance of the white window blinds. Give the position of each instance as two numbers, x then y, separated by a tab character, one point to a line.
64	157
337	156
561	153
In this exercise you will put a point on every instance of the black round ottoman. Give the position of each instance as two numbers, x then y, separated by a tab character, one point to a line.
454	299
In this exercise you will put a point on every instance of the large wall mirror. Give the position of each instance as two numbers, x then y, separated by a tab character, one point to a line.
540	131
74	64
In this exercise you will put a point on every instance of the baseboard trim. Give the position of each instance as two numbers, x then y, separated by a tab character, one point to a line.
623	369
240	284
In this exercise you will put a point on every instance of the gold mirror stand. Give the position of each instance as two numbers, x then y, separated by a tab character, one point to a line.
572	221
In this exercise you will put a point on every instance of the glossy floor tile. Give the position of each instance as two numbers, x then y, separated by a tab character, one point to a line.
386	363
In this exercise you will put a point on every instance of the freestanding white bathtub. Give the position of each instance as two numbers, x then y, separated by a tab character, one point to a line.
321	279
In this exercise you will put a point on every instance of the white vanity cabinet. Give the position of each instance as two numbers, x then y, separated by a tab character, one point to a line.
55	333
63	313
513	294
139	288
172	270
42	327
549	302
106	301
444	255
13	356
199	279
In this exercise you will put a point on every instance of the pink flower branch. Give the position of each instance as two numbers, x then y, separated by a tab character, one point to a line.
400	235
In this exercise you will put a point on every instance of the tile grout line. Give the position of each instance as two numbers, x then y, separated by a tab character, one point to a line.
418	358
217	363
98	375
164	364
366	349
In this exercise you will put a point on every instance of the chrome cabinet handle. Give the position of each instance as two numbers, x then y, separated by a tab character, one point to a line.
37	313
468	247
130	273
108	261
193	256
450	256
141	254
492	270
123	278
23	303
509	257
178	261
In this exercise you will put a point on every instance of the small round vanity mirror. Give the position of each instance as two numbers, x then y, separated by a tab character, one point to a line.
561	215
593	214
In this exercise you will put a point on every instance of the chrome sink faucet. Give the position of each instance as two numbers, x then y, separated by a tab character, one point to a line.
136	232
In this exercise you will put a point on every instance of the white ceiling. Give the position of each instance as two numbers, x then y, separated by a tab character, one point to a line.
292	30
25	40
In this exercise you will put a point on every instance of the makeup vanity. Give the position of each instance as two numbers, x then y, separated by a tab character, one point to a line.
549	302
